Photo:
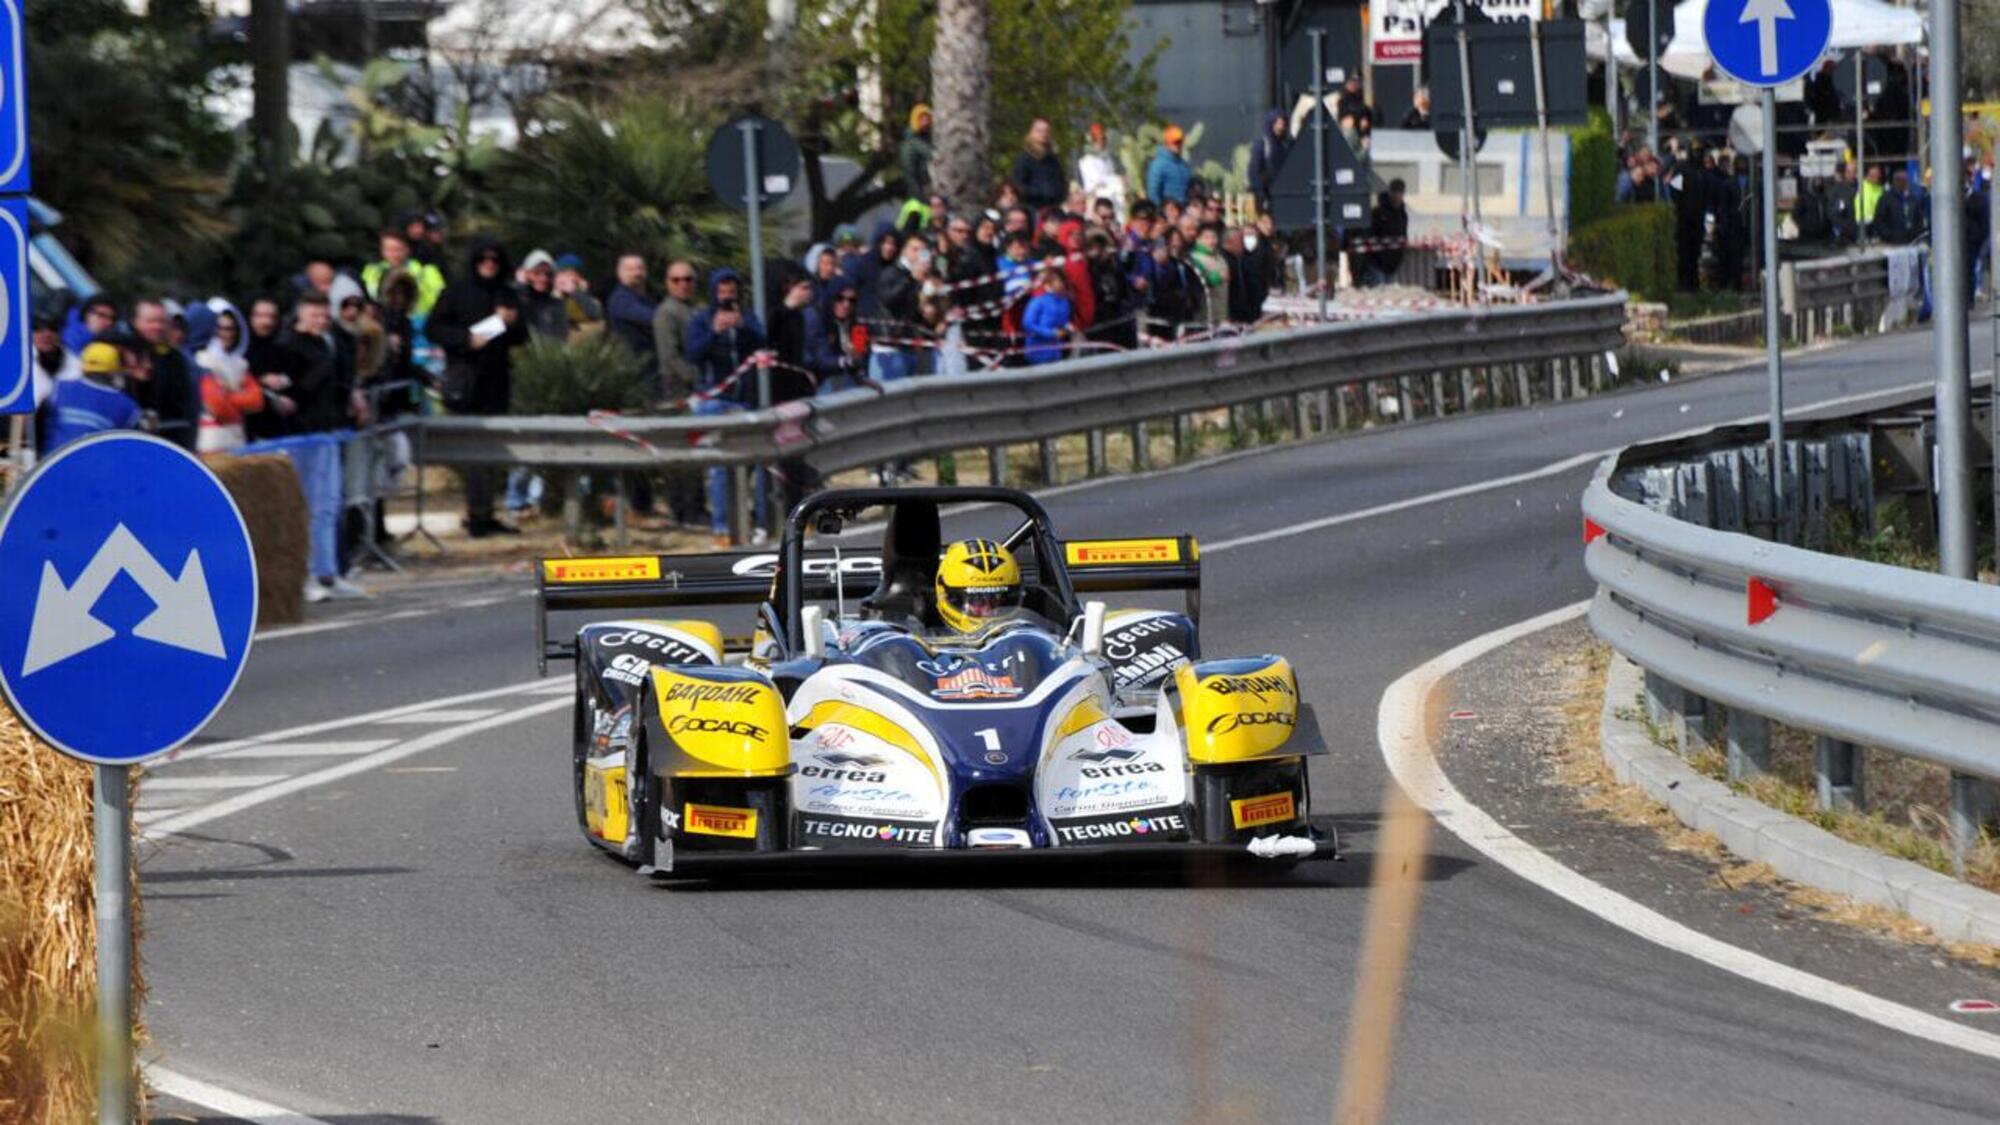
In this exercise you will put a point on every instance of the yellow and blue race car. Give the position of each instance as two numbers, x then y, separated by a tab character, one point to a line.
918	698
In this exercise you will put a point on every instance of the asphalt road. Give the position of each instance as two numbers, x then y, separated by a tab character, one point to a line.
426	938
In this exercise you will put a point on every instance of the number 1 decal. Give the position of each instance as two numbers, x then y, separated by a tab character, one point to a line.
991	737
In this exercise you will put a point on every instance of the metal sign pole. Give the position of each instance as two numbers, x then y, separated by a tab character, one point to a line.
112	809
1773	358
1611	88
1653	76
1467	135
1548	160
753	192
1956	549
1319	159
1860	148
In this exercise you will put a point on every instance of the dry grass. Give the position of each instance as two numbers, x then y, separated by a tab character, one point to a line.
1581	770
48	935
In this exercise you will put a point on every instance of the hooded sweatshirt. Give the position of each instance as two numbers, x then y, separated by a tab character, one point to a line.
476	380
1267	155
867	269
717	355
228	394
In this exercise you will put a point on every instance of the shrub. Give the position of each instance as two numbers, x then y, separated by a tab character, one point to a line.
596	372
1633	247
1593	171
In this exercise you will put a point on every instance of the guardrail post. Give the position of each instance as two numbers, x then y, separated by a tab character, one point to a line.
1437	394
1971	805
1094	453
1183	437
1837	774
1749	745
1340	406
996	465
1142	447
1556	387
1406	400
1524	390
1296	409
1051	465
1661	699
1465	389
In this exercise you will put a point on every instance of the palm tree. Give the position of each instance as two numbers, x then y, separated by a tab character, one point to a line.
602	180
962	84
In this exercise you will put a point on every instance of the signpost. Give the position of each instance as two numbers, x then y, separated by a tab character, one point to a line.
17	395
1767	43
132	600
17	382
753	163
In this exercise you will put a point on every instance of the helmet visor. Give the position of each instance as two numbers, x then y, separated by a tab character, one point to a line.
984	603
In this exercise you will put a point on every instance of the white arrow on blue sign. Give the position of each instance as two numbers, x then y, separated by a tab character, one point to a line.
131	598
1767	42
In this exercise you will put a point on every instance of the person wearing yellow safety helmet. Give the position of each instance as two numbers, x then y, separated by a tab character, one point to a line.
978	585
92	404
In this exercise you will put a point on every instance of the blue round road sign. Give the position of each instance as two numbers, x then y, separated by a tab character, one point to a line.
128	596
1767	42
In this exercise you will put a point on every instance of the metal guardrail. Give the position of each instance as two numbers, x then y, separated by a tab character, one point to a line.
1849	291
1859	653
932	415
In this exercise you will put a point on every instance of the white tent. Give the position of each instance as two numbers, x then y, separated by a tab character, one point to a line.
1856	23
536	28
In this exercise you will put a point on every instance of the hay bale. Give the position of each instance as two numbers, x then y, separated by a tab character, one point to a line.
266	488
48	932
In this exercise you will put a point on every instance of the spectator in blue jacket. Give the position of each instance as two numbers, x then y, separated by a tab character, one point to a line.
1046	323
92	404
629	310
720	338
1169	175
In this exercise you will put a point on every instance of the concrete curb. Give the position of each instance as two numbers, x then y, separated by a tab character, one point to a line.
1953	910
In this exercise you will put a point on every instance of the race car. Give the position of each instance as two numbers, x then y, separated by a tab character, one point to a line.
919	699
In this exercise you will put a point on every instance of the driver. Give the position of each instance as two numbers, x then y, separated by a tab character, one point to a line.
978	585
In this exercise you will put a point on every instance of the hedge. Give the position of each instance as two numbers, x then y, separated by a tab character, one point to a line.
1633	248
1593	171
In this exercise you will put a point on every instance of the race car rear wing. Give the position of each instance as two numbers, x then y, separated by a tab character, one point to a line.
745	577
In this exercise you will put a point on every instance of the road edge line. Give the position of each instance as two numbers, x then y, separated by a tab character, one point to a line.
207	1095
1404	741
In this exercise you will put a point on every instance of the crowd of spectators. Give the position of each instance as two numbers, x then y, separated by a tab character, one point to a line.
1064	259
1713	188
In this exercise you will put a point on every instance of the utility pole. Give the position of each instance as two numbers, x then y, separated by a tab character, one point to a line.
270	60
1956	549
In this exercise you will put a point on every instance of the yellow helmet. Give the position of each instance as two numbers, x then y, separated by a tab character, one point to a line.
978	584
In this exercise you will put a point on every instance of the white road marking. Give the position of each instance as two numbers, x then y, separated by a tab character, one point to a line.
319	749
236	781
390	714
225	1102
1557	468
284	787
441	716
311	628
1405	744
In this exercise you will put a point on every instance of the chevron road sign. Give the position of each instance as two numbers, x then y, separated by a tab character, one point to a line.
131	594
